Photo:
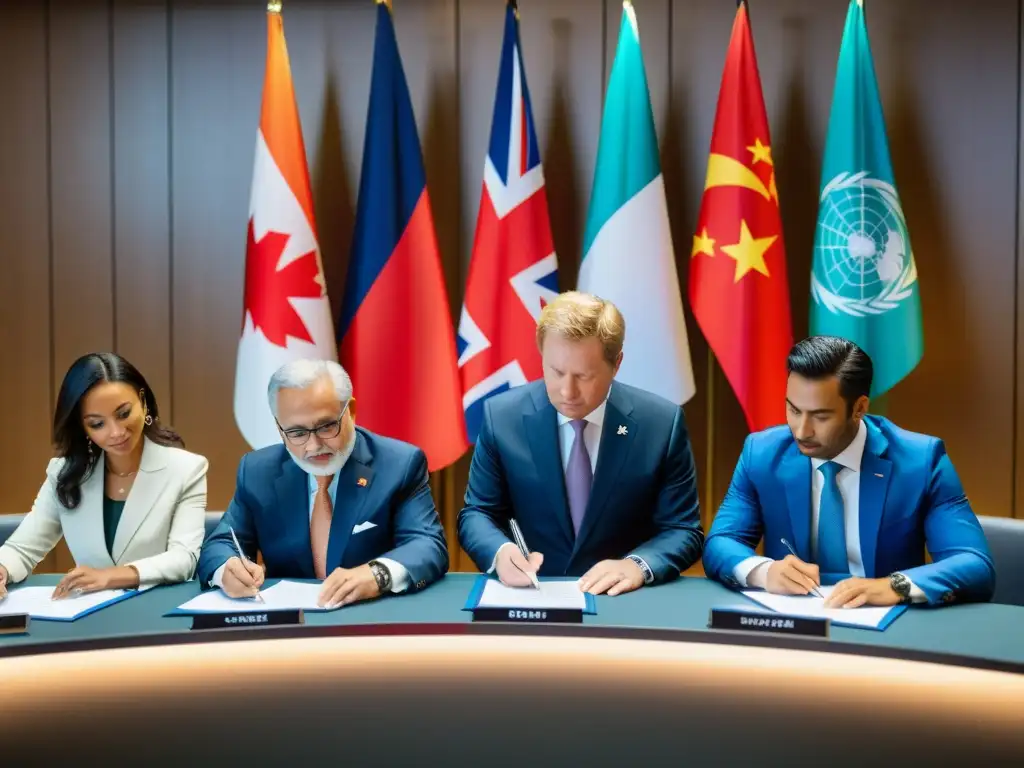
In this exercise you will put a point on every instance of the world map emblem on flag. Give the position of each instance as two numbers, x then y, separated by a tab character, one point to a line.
864	264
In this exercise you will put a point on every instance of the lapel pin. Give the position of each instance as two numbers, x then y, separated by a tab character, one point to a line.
361	482
622	429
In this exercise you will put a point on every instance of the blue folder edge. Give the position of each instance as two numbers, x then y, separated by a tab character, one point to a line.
894	613
187	613
126	596
477	591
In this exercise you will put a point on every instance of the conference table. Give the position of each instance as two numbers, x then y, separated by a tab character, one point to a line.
413	680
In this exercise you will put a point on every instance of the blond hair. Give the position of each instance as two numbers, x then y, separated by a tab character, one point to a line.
577	316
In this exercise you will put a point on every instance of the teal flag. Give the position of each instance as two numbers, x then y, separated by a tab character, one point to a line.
863	278
628	256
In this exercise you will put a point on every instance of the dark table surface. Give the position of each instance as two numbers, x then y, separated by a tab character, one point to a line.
987	632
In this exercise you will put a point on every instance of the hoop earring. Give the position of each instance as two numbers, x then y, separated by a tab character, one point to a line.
148	420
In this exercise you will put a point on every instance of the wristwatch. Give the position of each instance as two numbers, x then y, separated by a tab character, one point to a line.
381	574
901	586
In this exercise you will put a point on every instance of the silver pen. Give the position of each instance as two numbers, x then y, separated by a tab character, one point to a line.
520	542
243	558
792	551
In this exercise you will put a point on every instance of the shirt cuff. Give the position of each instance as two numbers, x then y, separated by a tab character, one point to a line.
644	568
399	574
916	594
494	562
218	577
748	574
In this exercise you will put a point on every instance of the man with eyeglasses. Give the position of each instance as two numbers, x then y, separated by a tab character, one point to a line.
334	502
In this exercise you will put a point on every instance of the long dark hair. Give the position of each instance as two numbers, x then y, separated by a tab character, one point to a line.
69	436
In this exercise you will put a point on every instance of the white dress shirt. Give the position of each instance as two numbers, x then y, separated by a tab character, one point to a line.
399	573
753	572
591	436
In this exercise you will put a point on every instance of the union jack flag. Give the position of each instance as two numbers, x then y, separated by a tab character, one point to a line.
513	271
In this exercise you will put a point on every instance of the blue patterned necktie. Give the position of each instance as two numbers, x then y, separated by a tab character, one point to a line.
578	476
832	556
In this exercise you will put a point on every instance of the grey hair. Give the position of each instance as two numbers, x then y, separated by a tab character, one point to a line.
299	374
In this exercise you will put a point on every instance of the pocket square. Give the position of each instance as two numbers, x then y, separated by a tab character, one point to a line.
364	527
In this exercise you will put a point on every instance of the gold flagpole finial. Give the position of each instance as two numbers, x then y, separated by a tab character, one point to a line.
387	3
274	6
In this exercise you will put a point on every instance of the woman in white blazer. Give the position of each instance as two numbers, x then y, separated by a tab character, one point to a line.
123	492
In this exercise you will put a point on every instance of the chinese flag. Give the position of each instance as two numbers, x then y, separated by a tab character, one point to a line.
738	285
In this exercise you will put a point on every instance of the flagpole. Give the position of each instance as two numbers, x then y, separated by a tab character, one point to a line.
274	6
450	512
709	456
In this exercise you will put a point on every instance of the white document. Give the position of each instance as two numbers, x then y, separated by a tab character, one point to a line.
552	594
813	607
283	596
38	602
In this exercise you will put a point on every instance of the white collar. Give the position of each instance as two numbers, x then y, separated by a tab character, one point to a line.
595	417
853	453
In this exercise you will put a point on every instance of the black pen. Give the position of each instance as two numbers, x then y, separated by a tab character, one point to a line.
520	542
792	551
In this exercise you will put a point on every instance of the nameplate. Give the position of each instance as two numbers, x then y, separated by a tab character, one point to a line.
14	624
530	615
773	623
248	619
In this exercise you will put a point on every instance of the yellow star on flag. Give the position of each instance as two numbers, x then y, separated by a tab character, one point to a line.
761	153
703	244
749	252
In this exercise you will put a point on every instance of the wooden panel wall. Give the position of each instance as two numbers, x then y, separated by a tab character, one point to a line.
126	153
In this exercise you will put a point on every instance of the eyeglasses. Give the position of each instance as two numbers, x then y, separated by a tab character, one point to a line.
300	435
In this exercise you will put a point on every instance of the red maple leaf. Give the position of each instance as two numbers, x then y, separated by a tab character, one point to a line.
268	290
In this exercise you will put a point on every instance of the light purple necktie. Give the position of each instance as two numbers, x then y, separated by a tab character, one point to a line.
578	476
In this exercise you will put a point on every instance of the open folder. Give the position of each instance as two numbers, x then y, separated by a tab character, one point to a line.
283	596
488	592
38	602
810	606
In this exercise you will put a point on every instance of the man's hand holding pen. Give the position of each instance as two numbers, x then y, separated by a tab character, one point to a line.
514	569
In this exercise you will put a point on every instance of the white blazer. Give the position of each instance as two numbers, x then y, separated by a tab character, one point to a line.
160	532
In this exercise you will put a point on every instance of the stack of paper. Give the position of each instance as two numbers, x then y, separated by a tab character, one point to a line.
38	602
809	606
283	596
551	595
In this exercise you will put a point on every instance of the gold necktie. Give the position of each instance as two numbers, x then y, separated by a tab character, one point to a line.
320	525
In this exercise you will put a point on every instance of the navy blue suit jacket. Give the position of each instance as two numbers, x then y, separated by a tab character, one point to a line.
270	513
644	497
910	499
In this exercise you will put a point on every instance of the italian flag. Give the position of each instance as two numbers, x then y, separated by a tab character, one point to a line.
628	254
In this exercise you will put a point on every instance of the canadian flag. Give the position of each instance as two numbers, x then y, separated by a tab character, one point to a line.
287	314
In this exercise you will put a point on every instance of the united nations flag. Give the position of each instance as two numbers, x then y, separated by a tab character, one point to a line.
864	278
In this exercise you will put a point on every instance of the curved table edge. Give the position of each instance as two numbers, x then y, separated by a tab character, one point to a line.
717	637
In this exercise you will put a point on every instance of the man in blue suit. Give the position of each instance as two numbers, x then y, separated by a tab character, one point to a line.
858	498
335	502
598	476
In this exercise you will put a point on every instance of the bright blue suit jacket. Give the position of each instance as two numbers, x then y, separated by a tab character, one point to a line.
384	481
910	498
644	497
